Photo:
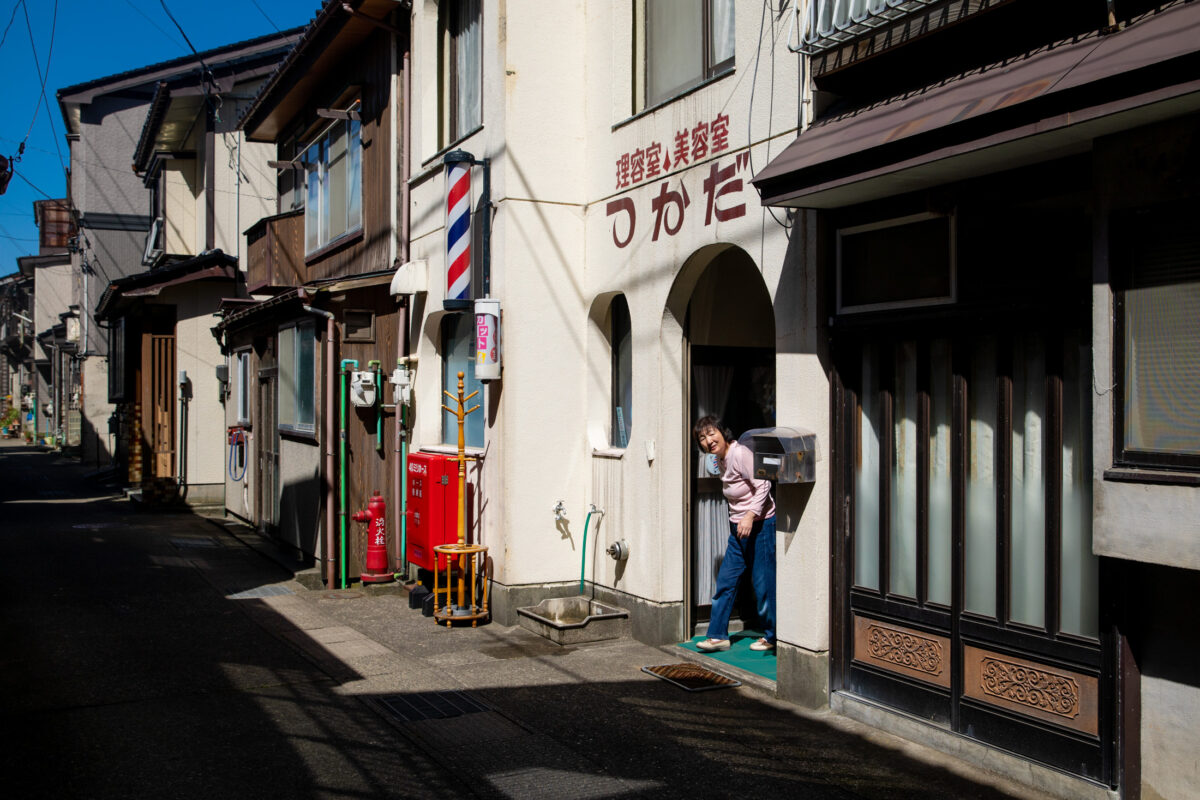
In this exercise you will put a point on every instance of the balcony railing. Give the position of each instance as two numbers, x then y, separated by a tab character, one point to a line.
275	250
830	23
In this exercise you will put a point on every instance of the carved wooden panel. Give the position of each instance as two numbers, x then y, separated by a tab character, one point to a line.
915	654
1052	694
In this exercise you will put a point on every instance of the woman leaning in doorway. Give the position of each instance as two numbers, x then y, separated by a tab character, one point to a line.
751	535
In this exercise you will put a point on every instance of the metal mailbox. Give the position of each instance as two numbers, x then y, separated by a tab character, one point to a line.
785	455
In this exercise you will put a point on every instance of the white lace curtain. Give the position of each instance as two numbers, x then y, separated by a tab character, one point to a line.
710	518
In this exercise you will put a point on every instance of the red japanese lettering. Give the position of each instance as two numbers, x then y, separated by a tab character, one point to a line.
637	165
720	133
615	207
623	171
699	141
659	206
682	147
721	181
653	160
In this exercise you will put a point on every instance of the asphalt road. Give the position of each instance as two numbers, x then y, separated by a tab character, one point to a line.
125	674
158	655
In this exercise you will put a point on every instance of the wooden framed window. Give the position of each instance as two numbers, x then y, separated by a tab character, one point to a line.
333	183
297	377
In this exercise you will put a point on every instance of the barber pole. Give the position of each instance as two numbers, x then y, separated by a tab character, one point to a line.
458	231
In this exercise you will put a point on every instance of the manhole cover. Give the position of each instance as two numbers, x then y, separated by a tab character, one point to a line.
431	705
343	595
692	677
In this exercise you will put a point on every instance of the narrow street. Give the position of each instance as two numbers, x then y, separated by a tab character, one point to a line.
159	655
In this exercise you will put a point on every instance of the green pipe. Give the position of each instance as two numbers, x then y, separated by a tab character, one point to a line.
583	561
403	556
344	400
378	404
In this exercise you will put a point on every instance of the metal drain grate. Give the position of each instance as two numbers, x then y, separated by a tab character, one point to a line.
431	705
260	591
691	677
195	541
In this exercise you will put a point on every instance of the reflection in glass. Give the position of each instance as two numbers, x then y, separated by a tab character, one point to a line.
902	549
1027	563
980	555
940	398
866	476
1077	605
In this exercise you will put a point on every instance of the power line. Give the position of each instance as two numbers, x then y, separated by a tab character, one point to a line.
147	17
207	72
268	19
41	77
35	186
11	19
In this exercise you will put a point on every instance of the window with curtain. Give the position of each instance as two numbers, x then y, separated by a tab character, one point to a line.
242	389
333	184
686	43
297	377
458	355
621	341
461	26
1158	254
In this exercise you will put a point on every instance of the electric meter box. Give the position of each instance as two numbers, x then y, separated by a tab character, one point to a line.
432	505
785	455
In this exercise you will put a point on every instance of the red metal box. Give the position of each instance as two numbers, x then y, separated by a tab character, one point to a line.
432	505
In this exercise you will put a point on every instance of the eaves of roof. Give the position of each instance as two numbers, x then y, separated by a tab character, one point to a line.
210	264
83	93
296	71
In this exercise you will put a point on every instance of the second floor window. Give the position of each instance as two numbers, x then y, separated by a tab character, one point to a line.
333	190
686	43
461	75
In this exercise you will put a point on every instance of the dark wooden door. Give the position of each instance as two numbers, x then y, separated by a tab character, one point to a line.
267	436
969	594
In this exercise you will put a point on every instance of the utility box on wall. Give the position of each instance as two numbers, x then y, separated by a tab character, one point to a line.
433	505
786	455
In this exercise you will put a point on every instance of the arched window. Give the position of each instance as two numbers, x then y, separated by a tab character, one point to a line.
621	342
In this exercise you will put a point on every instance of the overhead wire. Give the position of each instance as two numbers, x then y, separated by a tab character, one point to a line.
11	19
148	18
42	77
268	19
206	74
753	86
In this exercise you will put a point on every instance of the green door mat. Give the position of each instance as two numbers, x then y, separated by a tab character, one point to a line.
739	654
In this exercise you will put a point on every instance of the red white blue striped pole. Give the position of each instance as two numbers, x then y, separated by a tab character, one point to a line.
458	229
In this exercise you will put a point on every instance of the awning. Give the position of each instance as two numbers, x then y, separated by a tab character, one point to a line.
1045	105
412	277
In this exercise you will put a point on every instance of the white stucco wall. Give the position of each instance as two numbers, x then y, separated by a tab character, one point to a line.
554	126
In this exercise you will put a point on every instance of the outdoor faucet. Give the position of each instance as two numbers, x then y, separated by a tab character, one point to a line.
559	509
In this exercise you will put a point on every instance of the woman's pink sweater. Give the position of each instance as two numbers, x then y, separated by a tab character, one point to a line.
744	492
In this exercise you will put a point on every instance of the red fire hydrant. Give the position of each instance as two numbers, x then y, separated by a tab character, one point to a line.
375	569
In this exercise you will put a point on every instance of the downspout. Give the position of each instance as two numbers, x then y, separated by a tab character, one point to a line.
329	498
343	401
400	471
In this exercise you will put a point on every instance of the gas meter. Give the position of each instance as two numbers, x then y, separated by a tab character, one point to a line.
362	388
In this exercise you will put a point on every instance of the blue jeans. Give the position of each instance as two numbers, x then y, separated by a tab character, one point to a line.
756	553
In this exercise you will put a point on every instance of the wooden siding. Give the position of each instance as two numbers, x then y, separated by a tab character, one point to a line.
275	255
370	252
368	469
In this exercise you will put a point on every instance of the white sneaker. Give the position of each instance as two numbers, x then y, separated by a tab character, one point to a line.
762	644
712	645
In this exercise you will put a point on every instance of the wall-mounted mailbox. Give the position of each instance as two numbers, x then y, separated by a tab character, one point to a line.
786	455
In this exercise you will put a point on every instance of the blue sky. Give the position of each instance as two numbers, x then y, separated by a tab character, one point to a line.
92	39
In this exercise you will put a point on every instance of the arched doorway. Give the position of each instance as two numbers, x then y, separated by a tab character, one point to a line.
727	323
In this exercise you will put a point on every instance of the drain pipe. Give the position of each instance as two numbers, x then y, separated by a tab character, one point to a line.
400	462
329	499
583	560
347	363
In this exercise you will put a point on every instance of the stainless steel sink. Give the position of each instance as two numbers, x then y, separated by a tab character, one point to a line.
572	620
